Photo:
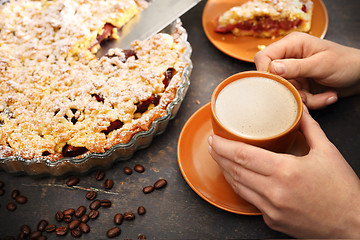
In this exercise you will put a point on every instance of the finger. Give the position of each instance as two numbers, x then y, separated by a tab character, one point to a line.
245	192
253	158
317	101
314	135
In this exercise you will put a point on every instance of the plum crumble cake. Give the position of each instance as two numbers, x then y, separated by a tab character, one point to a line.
267	18
57	99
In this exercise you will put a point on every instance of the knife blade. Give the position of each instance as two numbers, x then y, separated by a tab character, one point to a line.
154	18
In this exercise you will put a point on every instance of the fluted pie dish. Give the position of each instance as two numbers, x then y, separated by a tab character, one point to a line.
64	110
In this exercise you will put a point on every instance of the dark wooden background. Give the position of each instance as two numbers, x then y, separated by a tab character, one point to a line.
177	212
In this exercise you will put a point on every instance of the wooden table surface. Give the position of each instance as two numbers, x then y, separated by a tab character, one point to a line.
177	212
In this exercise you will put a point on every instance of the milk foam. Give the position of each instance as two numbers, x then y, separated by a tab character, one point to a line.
256	107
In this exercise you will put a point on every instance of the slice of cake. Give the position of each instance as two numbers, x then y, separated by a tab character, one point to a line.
267	18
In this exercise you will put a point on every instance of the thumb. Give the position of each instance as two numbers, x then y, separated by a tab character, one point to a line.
294	68
314	135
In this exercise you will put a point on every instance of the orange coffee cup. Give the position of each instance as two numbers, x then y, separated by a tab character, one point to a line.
258	108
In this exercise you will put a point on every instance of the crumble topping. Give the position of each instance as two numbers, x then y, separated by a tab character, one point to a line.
57	99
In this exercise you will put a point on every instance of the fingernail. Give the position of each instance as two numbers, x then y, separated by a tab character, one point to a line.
210	139
279	68
331	100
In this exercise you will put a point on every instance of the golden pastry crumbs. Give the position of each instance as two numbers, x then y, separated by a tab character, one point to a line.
57	99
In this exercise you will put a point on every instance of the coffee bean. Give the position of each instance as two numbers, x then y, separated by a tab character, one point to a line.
50	228
2	191
80	211
105	203
25	229
76	233
42	237
90	195
21	199
94	205
99	175
160	183
148	189
59	216
93	214
113	232
67	218
61	231
85	218
118	218
108	184
35	235
74	224
127	171
141	210
69	211
11	207
2	184
139	168
72	181
15	193
42	225
129	216
141	236
84	227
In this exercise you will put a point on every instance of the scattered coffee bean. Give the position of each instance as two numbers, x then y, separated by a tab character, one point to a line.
59	216
141	210
160	183
35	235
108	184
113	232
11	207
85	218
129	216
127	171
92	215
42	225
141	236
91	195
61	231
99	175
80	211
21	199
2	191
42	237
25	229
67	218
118	218
74	224
139	168
15	193
50	228
69	211
76	233
148	189
84	227
72	181
95	205
2	184
105	203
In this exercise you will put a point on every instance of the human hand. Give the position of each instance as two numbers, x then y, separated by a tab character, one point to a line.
321	70
312	196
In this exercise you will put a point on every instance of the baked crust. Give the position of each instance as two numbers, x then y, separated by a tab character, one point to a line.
267	18
57	99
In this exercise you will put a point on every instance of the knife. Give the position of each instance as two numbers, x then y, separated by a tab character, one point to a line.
154	18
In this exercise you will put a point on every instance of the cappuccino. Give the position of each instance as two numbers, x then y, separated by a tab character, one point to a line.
256	107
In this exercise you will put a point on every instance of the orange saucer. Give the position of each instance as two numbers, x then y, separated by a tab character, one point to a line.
244	48
201	172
